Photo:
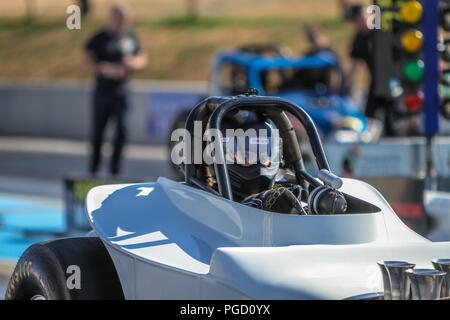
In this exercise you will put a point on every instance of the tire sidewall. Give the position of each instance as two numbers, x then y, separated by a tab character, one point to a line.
38	272
44	270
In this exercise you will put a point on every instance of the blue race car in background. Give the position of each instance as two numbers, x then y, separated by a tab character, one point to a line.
313	81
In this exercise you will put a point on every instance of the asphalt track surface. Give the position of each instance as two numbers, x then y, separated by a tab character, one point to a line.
38	166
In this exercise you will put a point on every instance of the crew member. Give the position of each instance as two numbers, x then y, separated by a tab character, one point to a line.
319	45
363	50
112	55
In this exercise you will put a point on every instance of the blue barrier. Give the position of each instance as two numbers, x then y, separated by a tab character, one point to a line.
26	221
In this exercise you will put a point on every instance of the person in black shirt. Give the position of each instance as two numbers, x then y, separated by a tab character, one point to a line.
319	45
363	50
112	55
362	45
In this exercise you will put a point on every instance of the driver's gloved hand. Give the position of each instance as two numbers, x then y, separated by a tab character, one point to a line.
280	200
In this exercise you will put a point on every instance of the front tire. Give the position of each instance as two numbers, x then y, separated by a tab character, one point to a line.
40	273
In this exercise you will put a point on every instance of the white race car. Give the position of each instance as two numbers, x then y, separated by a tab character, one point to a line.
171	240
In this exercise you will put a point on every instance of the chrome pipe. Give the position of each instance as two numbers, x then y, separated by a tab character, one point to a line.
386	281
395	282
399	282
443	265
425	283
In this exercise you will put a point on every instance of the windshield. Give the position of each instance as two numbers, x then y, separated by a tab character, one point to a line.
320	80
233	79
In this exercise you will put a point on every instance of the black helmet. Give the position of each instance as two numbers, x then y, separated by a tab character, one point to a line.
252	149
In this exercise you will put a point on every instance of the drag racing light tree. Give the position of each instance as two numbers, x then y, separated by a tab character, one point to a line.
408	57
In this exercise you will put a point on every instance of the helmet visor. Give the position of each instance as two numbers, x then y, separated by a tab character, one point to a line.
250	150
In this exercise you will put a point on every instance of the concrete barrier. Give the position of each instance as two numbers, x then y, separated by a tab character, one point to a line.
63	109
396	157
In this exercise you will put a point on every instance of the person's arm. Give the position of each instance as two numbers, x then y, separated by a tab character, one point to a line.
136	62
107	69
138	59
357	56
89	62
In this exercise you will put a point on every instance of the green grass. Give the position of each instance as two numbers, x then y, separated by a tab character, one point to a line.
23	26
208	23
179	47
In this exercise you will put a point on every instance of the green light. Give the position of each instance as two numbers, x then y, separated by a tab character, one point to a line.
414	70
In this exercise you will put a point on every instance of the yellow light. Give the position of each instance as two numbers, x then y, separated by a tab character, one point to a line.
411	11
412	40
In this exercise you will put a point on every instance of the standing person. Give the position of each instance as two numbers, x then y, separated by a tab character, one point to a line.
112	55
363	50
319	45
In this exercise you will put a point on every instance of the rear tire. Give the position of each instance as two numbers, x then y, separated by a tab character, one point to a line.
40	273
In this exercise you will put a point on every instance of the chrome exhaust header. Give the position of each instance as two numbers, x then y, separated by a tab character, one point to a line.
396	282
425	283
386	280
443	265
402	282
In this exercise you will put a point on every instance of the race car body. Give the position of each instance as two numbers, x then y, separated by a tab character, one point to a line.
172	241
196	240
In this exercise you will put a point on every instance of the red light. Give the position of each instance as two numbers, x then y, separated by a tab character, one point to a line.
414	101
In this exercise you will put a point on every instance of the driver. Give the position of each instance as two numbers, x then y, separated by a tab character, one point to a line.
253	154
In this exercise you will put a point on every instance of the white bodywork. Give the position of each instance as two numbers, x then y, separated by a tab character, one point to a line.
171	241
437	205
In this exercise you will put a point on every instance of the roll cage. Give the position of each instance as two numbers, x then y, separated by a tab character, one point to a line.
212	111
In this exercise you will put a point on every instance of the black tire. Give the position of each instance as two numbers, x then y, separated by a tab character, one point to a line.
41	271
